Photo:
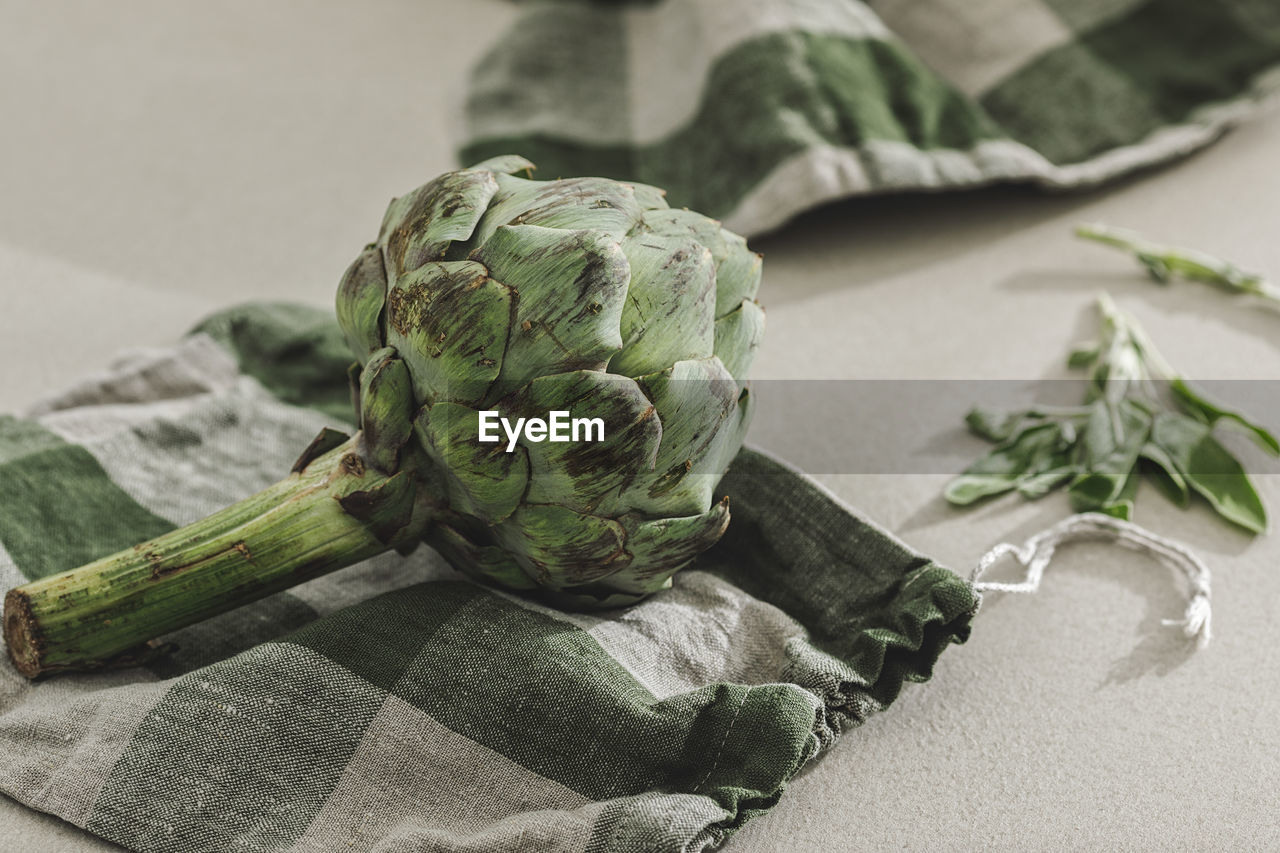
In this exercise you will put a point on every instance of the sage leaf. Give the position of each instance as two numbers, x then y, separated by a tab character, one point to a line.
1210	469
1021	459
1211	413
1083	356
1038	485
1165	474
1121	506
1126	426
1092	491
1113	436
1112	440
994	425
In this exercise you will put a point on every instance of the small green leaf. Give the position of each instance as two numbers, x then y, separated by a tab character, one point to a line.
1156	267
1113	436
1210	470
1165	474
1026	457
994	425
1122	505
1039	485
1083	356
1210	412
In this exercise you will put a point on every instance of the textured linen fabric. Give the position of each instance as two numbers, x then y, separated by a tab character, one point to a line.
393	706
755	110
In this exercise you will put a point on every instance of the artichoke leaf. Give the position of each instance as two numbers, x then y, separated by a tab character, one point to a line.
386	408
570	286
738	269
327	439
487	563
423	225
450	321
361	296
386	509
667	316
737	276
485	480
649	197
561	547
734	432
737	337
696	403
661	547
571	204
588	476
507	164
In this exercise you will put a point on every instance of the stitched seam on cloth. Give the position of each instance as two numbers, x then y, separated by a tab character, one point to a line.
715	762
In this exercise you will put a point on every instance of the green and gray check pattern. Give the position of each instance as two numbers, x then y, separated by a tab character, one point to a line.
395	707
755	110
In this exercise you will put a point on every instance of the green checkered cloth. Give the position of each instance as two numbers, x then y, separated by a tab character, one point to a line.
755	110
394	706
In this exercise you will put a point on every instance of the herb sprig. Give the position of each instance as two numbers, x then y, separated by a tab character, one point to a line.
1164	262
1125	426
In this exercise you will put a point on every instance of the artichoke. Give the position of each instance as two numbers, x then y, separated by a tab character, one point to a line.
486	295
487	291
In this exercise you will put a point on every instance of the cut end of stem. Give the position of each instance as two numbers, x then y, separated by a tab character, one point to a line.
21	633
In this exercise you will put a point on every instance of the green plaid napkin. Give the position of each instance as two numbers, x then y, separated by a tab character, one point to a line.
754	110
393	706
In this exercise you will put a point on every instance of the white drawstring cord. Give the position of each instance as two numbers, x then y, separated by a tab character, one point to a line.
1037	552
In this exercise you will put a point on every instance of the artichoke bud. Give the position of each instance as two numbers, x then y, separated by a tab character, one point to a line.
488	292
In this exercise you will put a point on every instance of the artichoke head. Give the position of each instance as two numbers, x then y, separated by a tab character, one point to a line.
489	291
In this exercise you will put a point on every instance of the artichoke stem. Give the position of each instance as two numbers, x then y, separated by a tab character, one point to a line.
99	614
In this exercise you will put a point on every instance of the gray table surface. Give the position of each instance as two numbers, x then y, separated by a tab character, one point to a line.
161	160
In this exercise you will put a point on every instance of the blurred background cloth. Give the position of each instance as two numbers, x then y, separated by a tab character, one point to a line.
755	110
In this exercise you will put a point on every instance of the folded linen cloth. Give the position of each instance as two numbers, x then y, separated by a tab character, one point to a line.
755	110
393	706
